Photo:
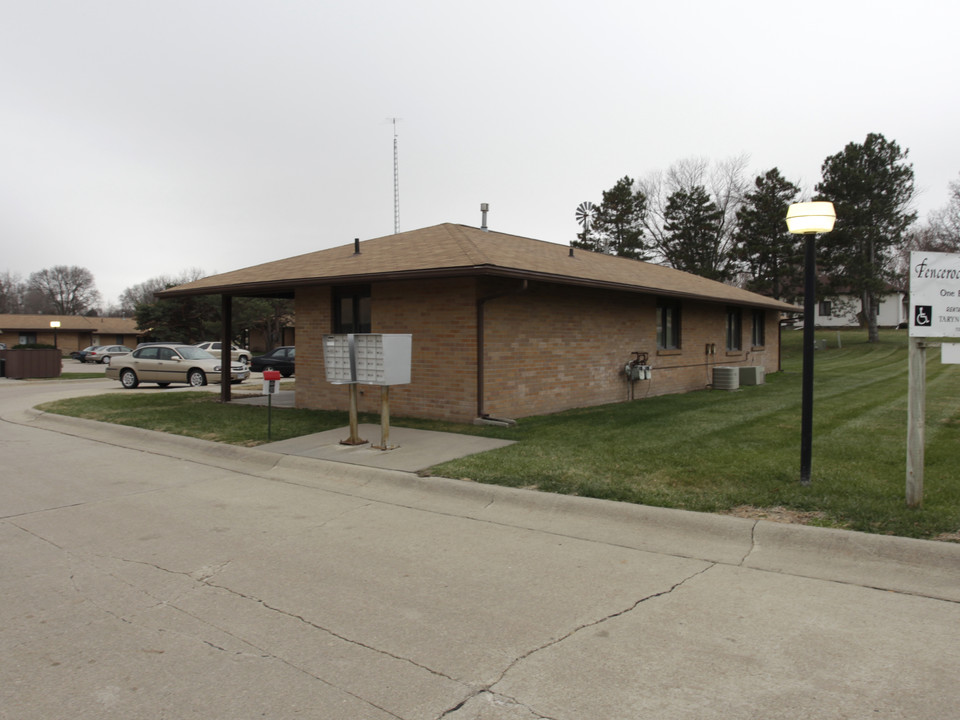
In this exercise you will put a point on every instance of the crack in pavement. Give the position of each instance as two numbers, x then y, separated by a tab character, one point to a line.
753	543
206	581
556	641
498	699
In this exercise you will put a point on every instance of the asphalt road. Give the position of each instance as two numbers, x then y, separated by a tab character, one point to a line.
146	576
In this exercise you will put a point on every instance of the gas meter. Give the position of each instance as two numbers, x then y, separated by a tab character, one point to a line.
637	369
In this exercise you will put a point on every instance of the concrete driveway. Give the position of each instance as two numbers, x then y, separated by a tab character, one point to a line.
147	576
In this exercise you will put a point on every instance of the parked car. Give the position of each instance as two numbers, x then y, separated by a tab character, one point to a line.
104	353
81	355
281	358
238	354
171	363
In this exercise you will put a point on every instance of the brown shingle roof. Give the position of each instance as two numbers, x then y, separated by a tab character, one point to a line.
70	323
451	250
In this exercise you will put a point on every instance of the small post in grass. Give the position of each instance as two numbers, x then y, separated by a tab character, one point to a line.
916	419
271	386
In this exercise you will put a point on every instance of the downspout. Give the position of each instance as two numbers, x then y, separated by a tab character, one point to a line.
480	348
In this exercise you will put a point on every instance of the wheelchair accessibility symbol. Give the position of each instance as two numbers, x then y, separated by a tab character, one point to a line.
922	315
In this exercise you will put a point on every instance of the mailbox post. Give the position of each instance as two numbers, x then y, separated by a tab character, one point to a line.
271	386
368	359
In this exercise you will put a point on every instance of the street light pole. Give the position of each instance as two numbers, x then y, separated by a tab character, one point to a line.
809	219
806	396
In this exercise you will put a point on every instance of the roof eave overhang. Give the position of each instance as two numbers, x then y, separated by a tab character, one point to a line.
278	287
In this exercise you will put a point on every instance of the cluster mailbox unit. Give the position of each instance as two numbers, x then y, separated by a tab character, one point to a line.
368	359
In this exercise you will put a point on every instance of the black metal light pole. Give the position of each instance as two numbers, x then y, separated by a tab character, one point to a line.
809	219
806	395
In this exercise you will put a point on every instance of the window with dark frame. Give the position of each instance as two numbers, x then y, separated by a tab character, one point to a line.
759	335
734	329
826	308
668	324
351	309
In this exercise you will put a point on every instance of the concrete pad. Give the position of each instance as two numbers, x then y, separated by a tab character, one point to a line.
414	449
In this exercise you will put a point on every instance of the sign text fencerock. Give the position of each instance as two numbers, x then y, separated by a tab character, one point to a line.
934	294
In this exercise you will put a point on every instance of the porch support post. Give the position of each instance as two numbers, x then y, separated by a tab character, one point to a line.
226	358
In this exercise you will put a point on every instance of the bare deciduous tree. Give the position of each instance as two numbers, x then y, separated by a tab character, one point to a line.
726	183
142	293
11	293
65	290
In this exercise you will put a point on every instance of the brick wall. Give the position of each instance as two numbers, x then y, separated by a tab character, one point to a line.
546	347
441	316
554	348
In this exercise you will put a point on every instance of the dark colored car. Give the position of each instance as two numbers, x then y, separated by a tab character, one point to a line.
281	358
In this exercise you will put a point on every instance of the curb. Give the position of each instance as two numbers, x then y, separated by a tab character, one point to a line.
907	565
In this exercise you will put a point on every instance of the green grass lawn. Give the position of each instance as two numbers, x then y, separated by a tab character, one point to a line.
711	451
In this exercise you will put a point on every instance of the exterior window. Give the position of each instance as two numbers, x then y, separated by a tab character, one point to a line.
668	324
759	335
28	338
351	309
826	308
734	325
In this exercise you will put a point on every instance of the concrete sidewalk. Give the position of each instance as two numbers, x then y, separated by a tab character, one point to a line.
410	450
191	580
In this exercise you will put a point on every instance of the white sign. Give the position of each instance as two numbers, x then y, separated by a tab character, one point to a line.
934	294
950	354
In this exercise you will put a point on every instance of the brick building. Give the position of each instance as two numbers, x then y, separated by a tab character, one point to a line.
506	326
74	332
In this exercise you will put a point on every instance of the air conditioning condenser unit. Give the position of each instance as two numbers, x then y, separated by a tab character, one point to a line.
726	378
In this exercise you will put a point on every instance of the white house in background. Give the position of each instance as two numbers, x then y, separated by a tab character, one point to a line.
841	310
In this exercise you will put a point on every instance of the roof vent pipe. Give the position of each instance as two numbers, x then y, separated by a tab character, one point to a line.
356	246
484	207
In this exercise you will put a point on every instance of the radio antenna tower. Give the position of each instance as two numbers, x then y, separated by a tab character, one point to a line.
396	180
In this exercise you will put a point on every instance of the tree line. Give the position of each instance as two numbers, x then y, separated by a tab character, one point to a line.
59	290
198	318
702	218
711	221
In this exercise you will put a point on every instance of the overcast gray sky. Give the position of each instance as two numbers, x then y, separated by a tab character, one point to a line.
140	138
